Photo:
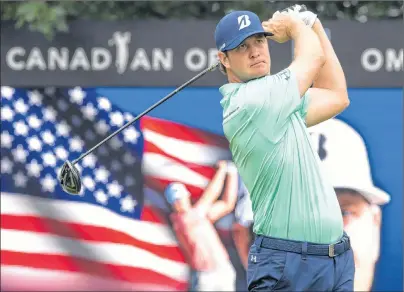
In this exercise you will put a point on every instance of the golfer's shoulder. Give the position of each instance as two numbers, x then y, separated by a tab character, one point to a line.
271	82
284	76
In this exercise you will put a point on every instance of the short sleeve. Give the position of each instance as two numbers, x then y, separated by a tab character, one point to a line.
272	100
243	212
304	106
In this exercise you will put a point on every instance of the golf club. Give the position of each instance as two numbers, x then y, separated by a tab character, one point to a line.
69	176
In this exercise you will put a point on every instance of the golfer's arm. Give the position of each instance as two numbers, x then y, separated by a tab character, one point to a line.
328	96
213	190
241	237
228	202
309	56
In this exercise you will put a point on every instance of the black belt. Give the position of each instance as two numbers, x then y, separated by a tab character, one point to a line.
330	250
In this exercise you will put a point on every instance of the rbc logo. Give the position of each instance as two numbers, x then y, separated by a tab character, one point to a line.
243	21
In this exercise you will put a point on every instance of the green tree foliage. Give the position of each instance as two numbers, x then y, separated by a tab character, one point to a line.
51	17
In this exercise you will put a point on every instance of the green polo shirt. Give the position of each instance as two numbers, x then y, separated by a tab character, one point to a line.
263	120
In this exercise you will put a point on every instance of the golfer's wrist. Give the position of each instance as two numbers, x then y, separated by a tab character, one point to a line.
317	26
296	27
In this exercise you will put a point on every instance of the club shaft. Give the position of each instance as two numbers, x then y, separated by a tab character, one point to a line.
146	111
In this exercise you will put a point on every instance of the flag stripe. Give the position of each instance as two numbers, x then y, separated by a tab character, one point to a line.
160	166
187	151
182	132
207	171
72	263
83	213
115	254
35	279
85	232
152	214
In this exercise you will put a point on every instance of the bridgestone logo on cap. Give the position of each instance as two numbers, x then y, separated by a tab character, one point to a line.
243	21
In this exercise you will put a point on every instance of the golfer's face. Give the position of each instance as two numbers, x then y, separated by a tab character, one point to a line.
251	58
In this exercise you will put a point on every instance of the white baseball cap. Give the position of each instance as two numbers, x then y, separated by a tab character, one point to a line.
344	159
175	191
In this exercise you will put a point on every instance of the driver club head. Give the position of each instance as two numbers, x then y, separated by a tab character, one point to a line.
69	178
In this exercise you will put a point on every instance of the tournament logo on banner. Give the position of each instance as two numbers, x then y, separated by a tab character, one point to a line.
130	54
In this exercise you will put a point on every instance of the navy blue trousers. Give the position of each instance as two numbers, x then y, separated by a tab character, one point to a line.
272	269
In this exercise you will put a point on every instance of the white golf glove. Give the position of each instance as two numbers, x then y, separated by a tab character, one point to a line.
301	11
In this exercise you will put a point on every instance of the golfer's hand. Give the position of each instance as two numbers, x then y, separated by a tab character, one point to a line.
283	26
308	17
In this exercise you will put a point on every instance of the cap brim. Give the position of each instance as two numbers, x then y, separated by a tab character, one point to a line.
373	194
238	40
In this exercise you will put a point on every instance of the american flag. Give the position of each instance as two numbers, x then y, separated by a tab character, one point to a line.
115	233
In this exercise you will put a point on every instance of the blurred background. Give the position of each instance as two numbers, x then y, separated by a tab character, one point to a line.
74	72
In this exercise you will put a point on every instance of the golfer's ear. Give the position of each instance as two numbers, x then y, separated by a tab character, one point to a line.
223	59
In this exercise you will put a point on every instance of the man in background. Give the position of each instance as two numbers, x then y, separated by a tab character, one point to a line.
211	268
345	162
344	159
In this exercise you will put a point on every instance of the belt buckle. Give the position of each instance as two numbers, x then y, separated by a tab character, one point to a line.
331	250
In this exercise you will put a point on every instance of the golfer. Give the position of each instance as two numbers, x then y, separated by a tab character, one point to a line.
299	244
